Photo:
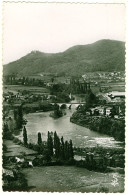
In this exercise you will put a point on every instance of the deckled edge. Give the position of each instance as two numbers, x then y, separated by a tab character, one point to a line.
126	78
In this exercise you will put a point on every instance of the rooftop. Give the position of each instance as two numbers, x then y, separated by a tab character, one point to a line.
117	93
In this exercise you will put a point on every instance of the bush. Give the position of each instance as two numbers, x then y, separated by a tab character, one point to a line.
7	135
63	106
15	140
36	162
15	184
71	161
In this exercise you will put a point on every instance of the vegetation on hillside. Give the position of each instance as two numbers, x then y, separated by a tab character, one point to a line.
103	55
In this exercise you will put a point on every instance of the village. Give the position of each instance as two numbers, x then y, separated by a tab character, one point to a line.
109	104
63	91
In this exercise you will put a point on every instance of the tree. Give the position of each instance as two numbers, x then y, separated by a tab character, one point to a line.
6	133
5	127
25	139
55	139
71	153
62	154
47	155
58	113
66	150
56	107
113	112
104	111
56	145
50	144
15	115
90	99
39	138
63	106
18	116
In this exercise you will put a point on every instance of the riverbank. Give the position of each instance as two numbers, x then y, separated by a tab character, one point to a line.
82	137
101	124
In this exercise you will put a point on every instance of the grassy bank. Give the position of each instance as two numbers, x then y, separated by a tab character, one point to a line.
72	179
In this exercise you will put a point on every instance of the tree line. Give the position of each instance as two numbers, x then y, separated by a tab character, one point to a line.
102	124
54	147
13	80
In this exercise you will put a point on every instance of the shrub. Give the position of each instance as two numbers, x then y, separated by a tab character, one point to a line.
63	106
15	140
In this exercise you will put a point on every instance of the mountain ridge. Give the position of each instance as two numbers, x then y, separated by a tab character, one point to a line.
103	55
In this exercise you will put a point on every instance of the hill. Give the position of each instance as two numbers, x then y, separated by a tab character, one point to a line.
103	55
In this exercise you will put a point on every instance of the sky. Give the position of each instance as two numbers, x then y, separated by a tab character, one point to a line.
55	27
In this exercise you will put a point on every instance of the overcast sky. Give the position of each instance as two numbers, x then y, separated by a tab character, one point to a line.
52	27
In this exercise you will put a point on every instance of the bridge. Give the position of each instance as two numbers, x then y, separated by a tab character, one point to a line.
71	104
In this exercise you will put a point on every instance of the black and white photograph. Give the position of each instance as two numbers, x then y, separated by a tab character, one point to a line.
63	97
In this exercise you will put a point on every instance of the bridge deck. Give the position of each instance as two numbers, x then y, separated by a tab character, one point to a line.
70	103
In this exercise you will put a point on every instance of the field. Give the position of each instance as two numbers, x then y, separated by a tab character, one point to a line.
16	150
119	86
109	87
72	179
20	88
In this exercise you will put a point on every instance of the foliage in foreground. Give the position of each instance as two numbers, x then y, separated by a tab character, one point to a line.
16	183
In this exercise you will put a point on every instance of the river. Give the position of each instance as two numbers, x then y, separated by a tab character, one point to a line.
81	136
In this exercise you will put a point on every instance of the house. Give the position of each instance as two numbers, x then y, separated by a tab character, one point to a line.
21	160
8	172
117	94
116	116
101	110
92	110
108	111
97	110
30	163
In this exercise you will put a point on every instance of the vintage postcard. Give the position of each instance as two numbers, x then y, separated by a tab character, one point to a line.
63	97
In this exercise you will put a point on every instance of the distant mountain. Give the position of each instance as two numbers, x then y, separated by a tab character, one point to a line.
103	55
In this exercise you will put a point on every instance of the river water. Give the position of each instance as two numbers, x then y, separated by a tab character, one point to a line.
81	136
